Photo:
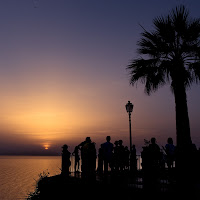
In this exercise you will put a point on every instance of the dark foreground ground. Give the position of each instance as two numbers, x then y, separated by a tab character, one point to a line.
113	187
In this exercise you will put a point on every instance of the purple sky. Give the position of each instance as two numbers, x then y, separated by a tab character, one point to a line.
63	75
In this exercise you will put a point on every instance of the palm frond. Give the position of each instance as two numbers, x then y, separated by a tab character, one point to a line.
195	68
148	72
172	48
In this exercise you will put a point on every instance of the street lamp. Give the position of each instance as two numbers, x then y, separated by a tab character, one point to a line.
129	109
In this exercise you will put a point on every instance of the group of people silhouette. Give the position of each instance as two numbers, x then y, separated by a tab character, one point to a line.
154	159
153	155
116	160
116	157
111	157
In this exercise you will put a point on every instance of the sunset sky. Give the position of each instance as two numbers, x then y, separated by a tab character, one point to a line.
63	75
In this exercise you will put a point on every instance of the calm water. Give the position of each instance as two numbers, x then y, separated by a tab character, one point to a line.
19	174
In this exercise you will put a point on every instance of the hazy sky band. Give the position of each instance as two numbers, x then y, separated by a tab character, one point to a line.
63	77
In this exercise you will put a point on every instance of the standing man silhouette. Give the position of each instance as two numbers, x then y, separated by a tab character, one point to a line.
108	154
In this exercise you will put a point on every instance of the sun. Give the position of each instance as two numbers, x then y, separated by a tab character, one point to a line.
46	146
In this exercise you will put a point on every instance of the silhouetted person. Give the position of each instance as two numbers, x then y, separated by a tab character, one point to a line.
170	153
100	160
88	155
154	151
77	158
115	156
65	160
133	160
151	157
145	164
108	154
121	152
126	157
87	140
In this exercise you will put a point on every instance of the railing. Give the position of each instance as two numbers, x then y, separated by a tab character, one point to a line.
138	157
72	167
137	182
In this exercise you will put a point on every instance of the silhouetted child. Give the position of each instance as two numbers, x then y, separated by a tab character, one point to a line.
77	158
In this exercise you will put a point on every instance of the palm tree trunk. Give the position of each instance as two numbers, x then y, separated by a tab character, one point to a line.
182	118
184	142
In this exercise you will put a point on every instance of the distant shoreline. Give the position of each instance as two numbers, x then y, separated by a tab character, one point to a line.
28	155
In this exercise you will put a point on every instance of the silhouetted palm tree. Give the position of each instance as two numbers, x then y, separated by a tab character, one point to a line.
171	54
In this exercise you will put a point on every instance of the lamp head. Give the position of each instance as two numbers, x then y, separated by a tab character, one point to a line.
129	107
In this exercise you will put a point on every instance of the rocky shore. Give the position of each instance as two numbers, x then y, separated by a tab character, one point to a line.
69	187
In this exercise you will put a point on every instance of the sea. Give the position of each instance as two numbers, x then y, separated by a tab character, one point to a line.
19	174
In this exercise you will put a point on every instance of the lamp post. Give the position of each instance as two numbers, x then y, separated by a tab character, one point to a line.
129	109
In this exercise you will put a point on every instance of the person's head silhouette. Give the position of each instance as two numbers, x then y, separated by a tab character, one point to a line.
153	140
108	138
120	142
170	140
88	139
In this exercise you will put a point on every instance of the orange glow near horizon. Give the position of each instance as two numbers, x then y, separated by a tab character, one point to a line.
46	146
49	112
61	82
48	119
